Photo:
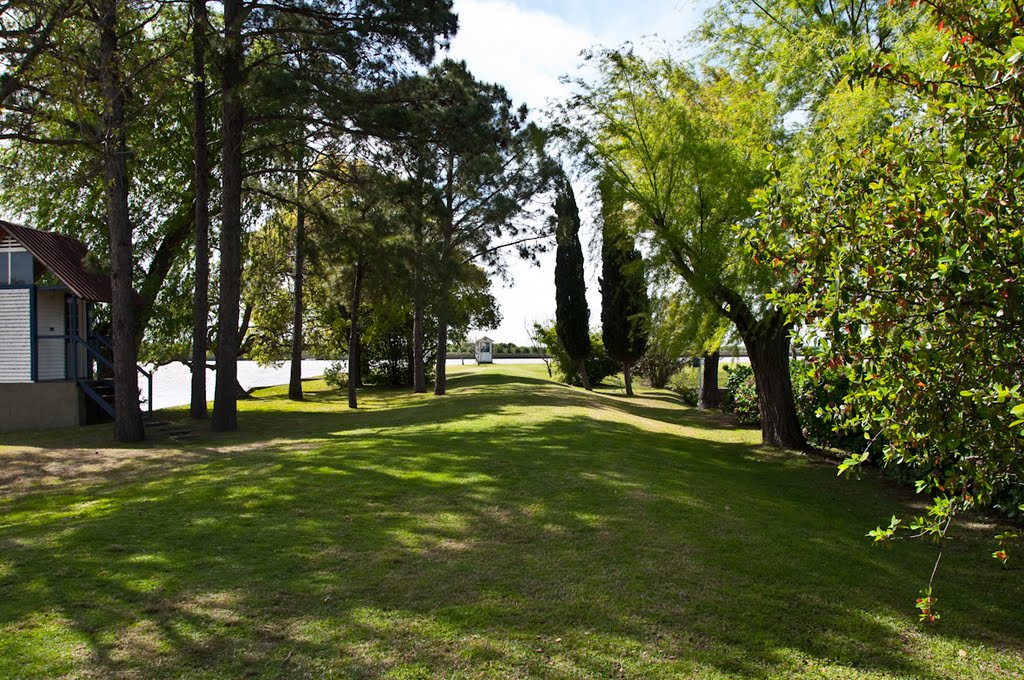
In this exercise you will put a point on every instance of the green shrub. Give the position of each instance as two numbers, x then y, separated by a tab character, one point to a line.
684	383
820	394
658	367
741	394
599	364
336	375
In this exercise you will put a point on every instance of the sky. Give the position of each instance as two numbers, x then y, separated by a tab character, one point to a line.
526	46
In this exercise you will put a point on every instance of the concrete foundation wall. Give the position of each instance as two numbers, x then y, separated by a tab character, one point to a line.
40	406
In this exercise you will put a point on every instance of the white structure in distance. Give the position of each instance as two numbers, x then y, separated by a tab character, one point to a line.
484	354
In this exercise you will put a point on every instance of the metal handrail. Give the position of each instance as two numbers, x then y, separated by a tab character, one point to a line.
105	341
76	339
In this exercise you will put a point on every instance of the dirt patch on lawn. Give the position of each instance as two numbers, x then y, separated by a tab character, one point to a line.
28	469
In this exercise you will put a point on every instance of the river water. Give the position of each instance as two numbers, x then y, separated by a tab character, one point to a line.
172	384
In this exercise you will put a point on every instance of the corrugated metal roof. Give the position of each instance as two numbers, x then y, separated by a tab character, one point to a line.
63	255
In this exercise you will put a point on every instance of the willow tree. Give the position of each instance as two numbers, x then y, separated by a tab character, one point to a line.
798	47
686	327
688	150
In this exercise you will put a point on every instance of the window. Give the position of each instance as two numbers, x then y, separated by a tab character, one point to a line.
21	269
5	268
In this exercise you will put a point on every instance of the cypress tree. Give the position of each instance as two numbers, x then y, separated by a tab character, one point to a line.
625	306
572	317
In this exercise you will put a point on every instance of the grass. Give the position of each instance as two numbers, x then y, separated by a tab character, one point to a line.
514	528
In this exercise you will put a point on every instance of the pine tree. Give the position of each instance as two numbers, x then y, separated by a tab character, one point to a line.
372	40
572	317
625	305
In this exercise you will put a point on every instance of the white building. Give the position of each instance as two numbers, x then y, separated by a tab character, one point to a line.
49	353
483	351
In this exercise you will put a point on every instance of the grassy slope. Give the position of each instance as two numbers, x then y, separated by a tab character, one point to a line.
515	528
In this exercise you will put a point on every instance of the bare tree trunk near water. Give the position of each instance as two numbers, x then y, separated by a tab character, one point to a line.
225	405
355	336
295	379
128	425
709	385
201	296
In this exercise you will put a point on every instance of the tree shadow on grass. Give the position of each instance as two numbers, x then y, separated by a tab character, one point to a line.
566	547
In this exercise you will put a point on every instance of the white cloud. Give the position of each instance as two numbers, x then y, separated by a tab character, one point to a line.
524	50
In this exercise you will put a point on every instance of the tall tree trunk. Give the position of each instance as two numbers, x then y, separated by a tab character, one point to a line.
440	362
409	362
447	229
767	343
627	377
201	297
769	359
419	371
581	364
709	387
225	404
355	336
128	425
295	380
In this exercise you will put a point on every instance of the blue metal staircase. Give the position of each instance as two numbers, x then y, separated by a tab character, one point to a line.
99	390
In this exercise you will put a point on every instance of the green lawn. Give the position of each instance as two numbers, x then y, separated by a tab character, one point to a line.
515	528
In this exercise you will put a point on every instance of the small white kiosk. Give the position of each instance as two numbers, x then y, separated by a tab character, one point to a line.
49	352
483	351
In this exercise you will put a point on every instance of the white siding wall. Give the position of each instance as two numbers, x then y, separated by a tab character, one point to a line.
83	357
50	356
15	338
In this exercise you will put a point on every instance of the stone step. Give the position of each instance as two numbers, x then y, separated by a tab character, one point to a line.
184	437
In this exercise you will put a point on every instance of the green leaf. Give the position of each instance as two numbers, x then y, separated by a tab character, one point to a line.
852	462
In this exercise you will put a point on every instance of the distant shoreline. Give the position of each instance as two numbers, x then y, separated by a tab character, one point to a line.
172	383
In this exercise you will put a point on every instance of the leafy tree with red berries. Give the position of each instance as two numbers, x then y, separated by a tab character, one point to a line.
908	251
